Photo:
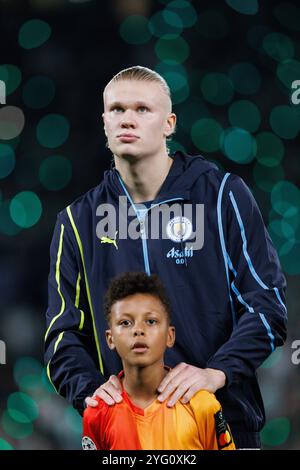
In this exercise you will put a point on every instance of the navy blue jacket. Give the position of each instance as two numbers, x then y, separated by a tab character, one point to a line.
227	298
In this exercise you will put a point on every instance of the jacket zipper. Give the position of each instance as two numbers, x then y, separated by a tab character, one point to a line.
141	220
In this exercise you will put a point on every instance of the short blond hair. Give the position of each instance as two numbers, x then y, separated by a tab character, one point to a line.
144	74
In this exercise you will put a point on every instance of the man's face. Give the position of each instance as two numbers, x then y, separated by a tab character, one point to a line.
137	118
139	330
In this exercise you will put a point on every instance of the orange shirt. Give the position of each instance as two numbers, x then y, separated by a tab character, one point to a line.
199	424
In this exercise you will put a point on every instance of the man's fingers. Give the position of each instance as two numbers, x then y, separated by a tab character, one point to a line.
188	381
181	379
179	392
190	393
171	375
110	390
115	381
187	388
91	402
101	393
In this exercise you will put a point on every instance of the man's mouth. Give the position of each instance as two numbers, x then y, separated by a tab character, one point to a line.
128	138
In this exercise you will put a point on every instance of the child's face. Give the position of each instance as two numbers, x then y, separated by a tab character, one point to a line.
140	318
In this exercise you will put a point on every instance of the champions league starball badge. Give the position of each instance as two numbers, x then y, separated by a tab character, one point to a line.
88	444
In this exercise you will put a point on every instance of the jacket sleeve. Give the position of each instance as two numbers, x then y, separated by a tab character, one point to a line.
70	351
255	282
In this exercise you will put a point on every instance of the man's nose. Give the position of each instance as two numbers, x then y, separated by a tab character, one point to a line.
128	119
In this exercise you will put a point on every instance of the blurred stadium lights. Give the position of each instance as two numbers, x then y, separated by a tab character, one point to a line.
42	5
79	1
124	8
232	101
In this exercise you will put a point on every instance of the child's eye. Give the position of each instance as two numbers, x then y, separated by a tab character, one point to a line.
125	323
152	321
117	109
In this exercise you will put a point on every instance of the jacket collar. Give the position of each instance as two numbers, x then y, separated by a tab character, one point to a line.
166	192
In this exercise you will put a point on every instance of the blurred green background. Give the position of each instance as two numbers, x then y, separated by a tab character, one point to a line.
230	66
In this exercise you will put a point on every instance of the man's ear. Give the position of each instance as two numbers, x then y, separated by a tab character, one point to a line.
170	125
109	339
103	114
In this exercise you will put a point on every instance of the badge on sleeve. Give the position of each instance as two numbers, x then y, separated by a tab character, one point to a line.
223	433
88	444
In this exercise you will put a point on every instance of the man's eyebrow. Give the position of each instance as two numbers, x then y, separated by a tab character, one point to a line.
115	104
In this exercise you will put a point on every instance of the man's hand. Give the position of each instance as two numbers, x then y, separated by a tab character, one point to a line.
186	380
110	392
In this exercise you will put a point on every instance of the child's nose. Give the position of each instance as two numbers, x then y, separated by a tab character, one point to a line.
138	331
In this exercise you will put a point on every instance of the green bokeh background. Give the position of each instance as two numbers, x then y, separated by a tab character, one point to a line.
230	67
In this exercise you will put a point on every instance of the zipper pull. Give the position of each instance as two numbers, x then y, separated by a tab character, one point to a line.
142	227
